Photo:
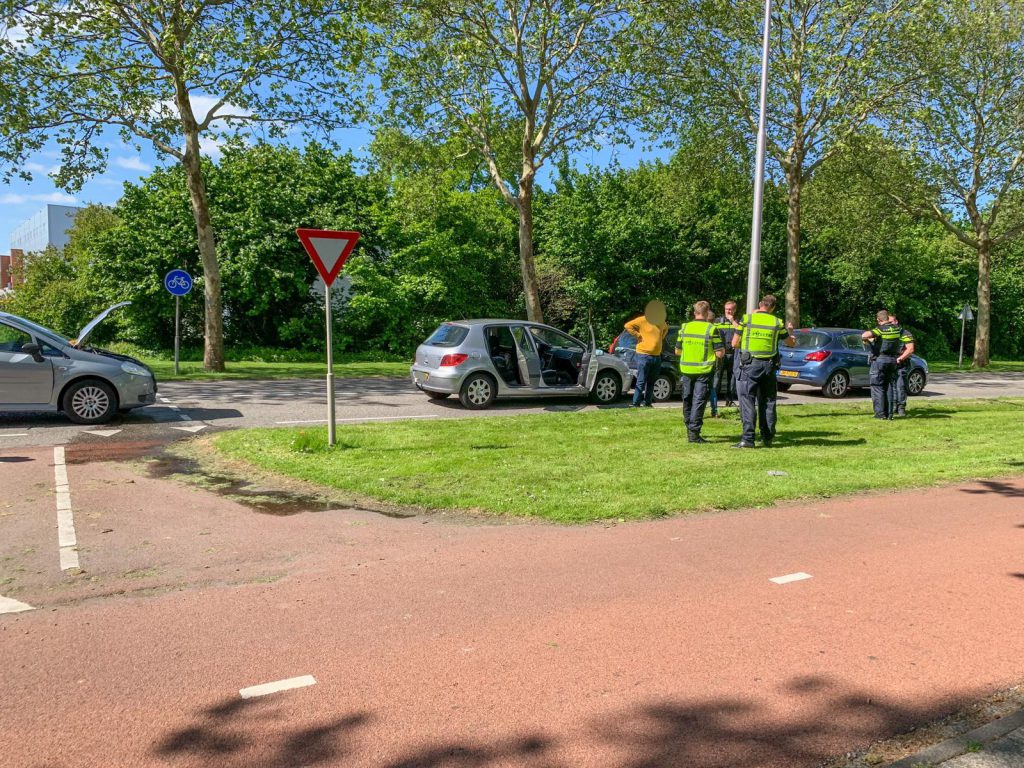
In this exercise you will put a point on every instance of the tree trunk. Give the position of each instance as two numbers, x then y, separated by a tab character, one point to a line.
795	187
531	291
213	345
983	329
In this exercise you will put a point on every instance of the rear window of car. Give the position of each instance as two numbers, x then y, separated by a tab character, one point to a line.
626	341
448	335
811	339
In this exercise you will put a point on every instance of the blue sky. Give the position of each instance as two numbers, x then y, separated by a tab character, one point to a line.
19	200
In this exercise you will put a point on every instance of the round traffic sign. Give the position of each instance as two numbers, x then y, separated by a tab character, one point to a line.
178	282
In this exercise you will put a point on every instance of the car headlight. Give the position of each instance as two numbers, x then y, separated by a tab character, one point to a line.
134	370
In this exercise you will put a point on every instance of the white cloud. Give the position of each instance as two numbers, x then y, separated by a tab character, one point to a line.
12	199
58	198
16	34
132	164
35	167
210	147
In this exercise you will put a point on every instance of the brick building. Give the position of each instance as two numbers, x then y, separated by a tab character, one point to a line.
8	264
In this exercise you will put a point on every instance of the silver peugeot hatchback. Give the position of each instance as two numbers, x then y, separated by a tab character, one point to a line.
481	360
40	370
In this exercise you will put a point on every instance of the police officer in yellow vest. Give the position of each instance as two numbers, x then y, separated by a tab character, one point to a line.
890	347
698	347
756	387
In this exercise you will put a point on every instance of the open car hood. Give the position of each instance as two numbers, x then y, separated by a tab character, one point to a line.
91	325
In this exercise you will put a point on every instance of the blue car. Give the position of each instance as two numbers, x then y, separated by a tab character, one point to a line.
836	360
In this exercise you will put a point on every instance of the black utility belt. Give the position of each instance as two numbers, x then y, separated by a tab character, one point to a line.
747	358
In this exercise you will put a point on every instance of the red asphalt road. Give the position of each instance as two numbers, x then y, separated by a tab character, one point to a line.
435	643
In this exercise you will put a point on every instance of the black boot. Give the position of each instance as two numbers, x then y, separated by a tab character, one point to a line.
694	437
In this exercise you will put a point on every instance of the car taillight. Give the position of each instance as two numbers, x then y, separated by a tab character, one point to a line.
450	360
817	357
611	347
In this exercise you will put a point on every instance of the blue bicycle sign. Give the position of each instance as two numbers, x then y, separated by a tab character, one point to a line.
178	282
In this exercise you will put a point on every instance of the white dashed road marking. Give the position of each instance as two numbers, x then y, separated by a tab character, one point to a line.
103	432
280	685
15	434
193	428
790	577
9	605
65	517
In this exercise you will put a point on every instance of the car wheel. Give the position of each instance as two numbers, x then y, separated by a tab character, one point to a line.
478	391
916	381
784	387
837	385
90	402
438	395
663	387
607	388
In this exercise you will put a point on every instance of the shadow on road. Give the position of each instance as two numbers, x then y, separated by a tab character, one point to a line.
997	486
814	718
238	725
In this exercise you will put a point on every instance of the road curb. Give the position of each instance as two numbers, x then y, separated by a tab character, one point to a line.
950	748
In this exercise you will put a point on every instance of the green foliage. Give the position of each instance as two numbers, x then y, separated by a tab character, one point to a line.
676	231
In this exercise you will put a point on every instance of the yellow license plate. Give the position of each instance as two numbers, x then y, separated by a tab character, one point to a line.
790	374
426	376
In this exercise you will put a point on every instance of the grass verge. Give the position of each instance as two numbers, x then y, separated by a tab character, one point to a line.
629	464
249	369
996	366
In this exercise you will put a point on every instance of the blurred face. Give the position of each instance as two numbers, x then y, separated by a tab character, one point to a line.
730	309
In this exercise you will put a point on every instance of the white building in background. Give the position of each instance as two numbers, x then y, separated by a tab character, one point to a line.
48	227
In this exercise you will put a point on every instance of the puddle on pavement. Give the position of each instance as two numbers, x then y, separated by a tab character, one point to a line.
259	498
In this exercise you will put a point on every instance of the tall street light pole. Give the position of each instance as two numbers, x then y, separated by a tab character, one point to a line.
754	271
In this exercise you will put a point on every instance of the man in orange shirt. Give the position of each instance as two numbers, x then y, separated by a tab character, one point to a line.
650	330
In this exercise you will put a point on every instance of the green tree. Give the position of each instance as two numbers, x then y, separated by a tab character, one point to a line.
514	82
962	126
829	73
177	74
677	231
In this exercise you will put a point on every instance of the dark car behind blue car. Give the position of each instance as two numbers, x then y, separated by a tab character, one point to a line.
835	360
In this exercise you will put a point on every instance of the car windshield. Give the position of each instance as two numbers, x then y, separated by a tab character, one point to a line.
810	339
46	333
448	335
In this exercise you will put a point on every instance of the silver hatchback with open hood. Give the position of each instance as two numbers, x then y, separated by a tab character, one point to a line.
41	370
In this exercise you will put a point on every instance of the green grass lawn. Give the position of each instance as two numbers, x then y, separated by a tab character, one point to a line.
624	463
996	366
249	369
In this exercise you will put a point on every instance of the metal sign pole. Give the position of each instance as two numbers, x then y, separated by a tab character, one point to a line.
330	366
177	332
754	271
963	328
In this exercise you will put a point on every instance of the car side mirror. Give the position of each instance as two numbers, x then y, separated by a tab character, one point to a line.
34	350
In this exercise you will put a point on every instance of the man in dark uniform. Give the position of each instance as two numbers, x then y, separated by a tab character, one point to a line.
725	367
887	351
757	342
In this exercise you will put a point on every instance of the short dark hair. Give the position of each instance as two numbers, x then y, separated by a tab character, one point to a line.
769	302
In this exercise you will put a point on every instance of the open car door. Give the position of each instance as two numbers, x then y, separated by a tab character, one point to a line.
590	362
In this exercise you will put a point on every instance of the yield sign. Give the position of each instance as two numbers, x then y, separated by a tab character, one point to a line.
328	249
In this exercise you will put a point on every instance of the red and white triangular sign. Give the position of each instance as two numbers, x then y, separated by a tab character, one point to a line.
328	249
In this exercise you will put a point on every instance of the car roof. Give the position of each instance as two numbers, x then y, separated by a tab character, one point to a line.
831	330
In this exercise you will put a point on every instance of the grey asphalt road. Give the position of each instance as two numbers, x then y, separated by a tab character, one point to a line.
187	407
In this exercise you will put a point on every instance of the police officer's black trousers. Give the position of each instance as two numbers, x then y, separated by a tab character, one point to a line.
902	369
724	374
696	388
756	391
883	386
